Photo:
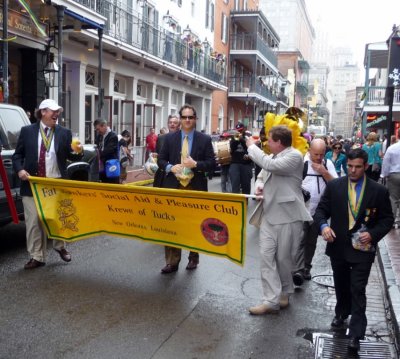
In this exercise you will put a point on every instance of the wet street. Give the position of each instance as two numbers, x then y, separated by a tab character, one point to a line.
112	302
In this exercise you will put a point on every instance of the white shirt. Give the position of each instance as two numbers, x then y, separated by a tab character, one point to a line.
391	160
52	170
315	183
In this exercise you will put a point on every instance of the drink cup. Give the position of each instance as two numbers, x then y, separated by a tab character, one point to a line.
76	142
256	134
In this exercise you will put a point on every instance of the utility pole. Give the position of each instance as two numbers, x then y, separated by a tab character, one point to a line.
393	78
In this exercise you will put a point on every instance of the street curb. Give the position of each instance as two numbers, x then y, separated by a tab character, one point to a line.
392	289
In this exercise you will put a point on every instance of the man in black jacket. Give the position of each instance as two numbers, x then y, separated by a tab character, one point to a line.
42	150
361	216
107	143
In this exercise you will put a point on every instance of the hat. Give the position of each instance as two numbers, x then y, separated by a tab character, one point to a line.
239	126
50	104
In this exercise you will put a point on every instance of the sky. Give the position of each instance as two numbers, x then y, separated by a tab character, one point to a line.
354	23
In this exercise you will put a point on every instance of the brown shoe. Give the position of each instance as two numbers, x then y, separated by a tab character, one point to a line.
192	264
33	263
284	301
169	268
264	309
64	254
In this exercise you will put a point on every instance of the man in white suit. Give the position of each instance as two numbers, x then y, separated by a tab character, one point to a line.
284	212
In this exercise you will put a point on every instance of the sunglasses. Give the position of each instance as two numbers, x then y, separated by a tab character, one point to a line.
188	117
337	148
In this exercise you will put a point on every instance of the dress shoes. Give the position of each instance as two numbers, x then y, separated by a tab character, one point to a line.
264	309
64	254
33	263
338	322
192	264
354	345
283	301
169	268
298	278
307	274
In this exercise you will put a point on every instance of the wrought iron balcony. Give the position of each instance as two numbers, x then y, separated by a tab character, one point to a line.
240	43
376	96
132	29
251	84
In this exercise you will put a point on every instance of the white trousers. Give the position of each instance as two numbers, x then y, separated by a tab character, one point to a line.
278	248
36	238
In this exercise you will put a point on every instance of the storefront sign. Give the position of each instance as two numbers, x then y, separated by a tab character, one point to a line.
376	122
23	26
211	223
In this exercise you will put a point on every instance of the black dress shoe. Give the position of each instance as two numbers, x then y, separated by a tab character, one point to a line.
33	263
64	254
192	265
338	322
298	278
169	268
306	274
353	345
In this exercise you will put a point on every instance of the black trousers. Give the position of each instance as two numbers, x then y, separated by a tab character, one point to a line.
350	280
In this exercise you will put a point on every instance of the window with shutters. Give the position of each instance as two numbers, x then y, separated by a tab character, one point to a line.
224	28
207	13
212	17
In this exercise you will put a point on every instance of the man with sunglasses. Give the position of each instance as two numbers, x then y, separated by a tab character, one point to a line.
186	157
42	150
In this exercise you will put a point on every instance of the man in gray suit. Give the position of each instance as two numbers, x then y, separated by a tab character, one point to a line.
284	212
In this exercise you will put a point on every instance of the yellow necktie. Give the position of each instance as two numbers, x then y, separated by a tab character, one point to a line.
353	199
185	148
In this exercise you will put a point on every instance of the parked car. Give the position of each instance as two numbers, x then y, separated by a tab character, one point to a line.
12	118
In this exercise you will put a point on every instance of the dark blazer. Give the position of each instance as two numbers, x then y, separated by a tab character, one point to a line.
334	205
202	152
110	149
26	154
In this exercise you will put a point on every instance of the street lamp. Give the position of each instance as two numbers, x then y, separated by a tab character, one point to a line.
50	72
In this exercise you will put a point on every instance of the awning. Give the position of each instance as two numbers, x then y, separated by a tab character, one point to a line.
90	23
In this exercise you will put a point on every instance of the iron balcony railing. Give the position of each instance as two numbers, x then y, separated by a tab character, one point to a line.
133	29
251	84
253	42
376	96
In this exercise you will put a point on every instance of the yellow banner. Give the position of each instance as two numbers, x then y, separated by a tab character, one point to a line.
207	222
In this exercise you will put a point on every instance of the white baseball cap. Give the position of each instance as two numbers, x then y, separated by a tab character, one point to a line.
50	104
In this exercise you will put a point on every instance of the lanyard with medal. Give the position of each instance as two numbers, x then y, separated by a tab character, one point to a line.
47	138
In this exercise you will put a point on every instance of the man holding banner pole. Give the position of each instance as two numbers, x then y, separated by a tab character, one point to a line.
42	150
186	157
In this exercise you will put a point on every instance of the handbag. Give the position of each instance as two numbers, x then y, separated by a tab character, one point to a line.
123	158
256	216
112	168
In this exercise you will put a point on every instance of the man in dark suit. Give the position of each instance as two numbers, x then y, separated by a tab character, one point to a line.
173	126
197	161
42	150
107	143
360	213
